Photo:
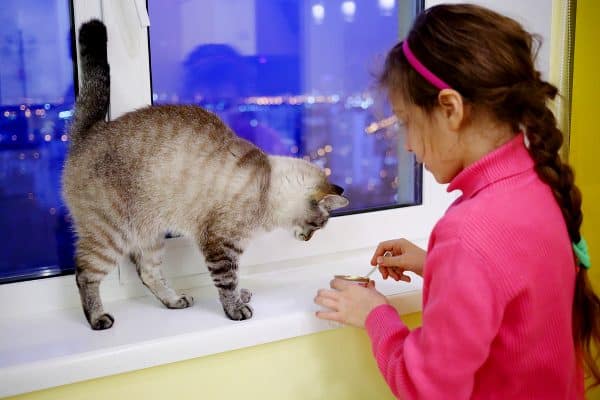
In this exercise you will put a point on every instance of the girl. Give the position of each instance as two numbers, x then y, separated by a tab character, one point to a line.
508	310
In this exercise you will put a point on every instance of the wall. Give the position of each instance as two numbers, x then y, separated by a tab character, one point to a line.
585	139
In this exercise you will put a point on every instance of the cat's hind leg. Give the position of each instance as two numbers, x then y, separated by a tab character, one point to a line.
96	256
147	261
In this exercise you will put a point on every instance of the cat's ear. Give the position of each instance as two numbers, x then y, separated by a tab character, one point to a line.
336	189
333	202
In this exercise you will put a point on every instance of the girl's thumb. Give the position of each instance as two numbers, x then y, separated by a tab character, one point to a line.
394	262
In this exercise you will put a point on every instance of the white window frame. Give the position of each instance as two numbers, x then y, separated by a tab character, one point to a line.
128	54
184	266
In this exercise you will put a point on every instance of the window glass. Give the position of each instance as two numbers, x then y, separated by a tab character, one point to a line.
295	77
36	101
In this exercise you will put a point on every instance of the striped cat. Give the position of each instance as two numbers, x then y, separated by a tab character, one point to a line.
174	168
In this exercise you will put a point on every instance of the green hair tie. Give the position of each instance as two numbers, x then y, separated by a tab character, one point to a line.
583	256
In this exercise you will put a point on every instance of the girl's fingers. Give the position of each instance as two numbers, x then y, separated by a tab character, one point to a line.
329	315
381	249
329	294
384	272
326	302
393	261
395	273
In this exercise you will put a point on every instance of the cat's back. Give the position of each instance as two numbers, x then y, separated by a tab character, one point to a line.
142	138
155	125
165	154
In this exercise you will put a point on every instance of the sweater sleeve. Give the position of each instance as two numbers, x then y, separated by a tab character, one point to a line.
461	316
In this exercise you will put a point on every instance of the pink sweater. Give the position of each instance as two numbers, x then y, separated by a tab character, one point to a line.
497	294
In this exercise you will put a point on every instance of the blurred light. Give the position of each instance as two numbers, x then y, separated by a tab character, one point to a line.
381	124
349	9
318	13
328	148
6	114
52	211
22	107
47	138
65	114
386	6
27	113
253	123
31	137
327	171
21	156
321	152
64	138
348	180
14	138
36	155
294	149
47	106
154	96
262	60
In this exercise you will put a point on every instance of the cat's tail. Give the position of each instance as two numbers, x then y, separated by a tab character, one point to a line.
94	93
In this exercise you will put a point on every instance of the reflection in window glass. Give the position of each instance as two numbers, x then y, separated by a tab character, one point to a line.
36	100
296	77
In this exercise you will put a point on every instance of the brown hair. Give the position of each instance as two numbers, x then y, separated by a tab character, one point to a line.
489	59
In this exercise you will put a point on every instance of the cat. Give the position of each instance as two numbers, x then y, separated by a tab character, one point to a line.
174	168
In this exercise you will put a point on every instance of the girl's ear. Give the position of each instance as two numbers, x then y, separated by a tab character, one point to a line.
452	107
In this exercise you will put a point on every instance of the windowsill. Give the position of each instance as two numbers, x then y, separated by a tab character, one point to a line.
57	348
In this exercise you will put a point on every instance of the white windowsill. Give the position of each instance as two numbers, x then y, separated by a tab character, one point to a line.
58	347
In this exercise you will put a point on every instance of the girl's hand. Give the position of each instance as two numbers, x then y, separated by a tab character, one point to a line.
349	303
406	256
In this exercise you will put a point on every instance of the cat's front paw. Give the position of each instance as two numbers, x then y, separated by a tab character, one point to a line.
184	301
238	311
104	321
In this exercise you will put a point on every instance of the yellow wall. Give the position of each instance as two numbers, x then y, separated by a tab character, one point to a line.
329	365
585	129
585	126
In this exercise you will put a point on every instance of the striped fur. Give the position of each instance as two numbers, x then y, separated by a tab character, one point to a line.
175	169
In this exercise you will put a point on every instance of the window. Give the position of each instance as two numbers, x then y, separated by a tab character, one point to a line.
296	77
36	101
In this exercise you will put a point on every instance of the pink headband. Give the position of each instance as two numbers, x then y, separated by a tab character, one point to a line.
421	69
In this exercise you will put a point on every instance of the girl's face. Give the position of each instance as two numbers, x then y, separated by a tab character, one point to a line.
431	138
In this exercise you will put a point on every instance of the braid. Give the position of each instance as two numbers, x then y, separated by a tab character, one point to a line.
545	141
